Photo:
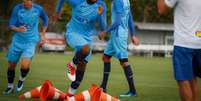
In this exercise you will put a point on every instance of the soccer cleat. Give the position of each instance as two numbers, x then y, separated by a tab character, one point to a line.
19	86
128	94
8	91
71	71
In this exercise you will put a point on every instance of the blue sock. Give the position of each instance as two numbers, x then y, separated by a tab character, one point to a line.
10	76
107	69
78	80
129	76
24	73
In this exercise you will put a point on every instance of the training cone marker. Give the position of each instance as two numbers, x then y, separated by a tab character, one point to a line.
34	93
86	95
49	92
106	97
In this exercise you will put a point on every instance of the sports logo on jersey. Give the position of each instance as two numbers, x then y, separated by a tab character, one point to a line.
198	33
100	10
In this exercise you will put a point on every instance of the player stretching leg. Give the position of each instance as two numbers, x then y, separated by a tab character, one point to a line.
24	22
117	45
80	29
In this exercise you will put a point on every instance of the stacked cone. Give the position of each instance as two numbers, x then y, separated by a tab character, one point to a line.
86	95
49	92
34	93
94	93
46	91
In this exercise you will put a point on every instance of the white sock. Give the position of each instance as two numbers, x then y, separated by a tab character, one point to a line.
10	85
21	78
72	91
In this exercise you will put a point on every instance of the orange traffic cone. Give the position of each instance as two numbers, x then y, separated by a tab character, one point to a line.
34	93
85	95
49	92
106	97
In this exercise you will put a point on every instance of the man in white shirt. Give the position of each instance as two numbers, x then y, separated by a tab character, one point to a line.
187	44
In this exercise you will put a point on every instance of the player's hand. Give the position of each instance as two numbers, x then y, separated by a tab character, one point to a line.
20	29
102	35
43	38
135	40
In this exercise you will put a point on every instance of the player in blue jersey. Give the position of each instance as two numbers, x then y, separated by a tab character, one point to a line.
122	22
24	23
80	29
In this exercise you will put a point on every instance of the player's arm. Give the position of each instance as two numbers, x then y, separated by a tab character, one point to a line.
60	3
44	18
131	26
13	21
165	5
102	19
118	6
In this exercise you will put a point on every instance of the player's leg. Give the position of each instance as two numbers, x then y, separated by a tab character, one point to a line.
82	50
81	67
129	77
182	62
106	72
121	53
27	55
185	90
195	89
108	53
13	56
197	73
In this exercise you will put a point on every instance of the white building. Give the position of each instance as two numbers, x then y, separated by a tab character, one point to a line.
156	39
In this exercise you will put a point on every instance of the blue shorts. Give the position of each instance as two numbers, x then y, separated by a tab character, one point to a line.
23	50
77	41
118	47
187	63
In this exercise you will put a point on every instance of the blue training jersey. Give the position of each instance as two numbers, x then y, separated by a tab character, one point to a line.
122	19
28	18
85	16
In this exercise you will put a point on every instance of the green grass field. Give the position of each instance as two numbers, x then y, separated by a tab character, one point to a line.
153	76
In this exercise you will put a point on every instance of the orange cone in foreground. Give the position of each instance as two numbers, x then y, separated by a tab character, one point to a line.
85	95
107	97
49	92
34	93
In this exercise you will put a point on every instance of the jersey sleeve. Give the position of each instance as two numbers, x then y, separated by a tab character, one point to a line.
13	17
131	24
171	3
59	5
102	18
44	17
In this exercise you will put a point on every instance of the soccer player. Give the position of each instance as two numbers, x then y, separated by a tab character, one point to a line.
24	23
122	23
187	45
80	29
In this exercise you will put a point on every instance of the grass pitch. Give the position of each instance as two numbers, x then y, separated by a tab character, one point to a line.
153	76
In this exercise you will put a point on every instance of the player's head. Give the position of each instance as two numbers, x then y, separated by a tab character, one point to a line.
91	1
28	3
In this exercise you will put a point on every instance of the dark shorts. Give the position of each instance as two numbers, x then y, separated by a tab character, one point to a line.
186	63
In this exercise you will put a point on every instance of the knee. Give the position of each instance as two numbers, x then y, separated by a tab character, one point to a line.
124	62
85	49
106	58
11	65
25	63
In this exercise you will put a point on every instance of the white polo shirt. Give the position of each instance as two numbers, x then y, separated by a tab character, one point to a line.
187	22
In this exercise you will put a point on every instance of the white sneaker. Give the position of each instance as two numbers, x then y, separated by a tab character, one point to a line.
70	72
